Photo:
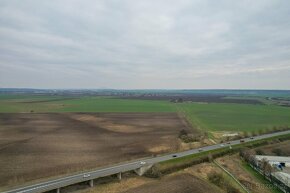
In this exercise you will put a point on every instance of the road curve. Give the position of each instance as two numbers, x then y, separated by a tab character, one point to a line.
69	180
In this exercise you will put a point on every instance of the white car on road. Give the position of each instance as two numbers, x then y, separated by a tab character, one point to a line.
142	163
86	175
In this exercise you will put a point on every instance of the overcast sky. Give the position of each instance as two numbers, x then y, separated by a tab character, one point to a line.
145	44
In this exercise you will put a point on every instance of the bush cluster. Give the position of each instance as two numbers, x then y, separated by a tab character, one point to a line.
188	138
219	180
279	152
153	172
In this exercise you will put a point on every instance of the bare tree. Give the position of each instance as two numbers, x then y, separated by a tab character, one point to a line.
266	167
210	157
253	160
247	154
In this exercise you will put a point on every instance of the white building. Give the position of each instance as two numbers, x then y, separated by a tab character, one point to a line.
283	177
284	174
275	160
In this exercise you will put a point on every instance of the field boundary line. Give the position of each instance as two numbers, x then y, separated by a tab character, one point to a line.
194	123
231	175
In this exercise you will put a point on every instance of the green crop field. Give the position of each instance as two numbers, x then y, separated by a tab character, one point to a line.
93	104
205	116
235	117
83	104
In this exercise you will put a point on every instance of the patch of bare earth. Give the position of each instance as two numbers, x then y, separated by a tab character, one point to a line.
234	165
193	179
283	149
119	186
180	183
37	146
193	145
202	170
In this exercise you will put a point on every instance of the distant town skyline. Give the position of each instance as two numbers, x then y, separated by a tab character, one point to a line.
200	44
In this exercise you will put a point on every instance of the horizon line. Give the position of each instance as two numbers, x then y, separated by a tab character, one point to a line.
177	89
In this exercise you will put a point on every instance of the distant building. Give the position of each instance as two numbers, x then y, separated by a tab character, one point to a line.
274	160
282	164
283	177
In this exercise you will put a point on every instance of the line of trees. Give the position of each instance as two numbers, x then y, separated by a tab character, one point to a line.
265	168
246	134
263	165
266	131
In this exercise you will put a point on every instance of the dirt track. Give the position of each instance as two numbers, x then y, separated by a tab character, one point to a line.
34	146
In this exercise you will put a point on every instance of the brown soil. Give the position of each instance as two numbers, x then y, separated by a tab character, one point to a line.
115	186
284	147
202	170
193	179
181	183
37	146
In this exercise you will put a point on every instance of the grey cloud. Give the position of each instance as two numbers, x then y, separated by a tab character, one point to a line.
144	44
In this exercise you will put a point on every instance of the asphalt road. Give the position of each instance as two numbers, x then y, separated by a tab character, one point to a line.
69	180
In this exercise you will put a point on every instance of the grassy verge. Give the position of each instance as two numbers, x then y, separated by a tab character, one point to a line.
260	178
187	161
234	182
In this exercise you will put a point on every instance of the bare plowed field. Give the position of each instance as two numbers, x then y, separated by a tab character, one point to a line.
35	146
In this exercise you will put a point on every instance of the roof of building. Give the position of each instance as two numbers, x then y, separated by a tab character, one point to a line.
283	177
273	158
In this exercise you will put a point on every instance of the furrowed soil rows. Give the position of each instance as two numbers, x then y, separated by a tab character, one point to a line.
41	145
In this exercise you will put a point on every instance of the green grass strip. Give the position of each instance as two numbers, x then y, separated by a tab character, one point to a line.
190	159
261	179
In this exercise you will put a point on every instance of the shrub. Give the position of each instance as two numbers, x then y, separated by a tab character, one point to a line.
260	152
231	189
278	152
153	172
219	180
216	178
187	138
182	133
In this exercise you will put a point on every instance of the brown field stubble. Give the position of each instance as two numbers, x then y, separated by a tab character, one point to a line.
36	146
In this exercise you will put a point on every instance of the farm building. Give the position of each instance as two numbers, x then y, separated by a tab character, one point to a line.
282	176
274	160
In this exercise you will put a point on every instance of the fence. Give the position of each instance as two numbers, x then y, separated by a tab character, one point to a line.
274	180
